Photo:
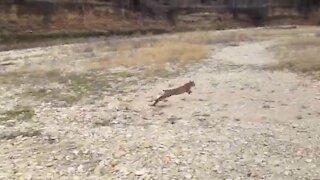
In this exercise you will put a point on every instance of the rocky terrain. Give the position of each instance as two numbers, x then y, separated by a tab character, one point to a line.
62	118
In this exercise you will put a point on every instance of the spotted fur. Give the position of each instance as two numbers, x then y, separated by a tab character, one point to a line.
177	91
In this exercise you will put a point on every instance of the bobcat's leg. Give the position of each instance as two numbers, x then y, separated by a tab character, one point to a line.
160	99
155	102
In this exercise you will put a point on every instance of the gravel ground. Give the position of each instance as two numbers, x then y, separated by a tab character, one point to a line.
242	121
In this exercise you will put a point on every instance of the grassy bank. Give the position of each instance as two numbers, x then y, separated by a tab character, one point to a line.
299	54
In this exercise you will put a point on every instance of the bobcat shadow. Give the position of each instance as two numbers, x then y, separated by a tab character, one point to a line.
161	106
164	105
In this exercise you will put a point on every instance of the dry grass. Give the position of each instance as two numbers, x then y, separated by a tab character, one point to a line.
155	56
11	133
179	49
158	52
17	115
213	37
183	48
123	46
300	54
164	52
239	35
220	37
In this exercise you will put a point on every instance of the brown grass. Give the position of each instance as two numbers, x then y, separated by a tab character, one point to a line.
183	48
300	54
155	56
241	35
11	133
213	37
123	46
164	52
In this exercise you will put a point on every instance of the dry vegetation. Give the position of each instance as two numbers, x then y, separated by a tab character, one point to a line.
178	49
299	54
240	35
66	20
183	48
163	52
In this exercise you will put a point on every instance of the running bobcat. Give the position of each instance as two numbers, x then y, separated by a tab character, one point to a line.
180	90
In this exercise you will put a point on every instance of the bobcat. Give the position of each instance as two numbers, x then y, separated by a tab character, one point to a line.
179	90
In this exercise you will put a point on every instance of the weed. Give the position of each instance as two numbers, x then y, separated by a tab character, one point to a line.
104	122
19	114
24	132
299	54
